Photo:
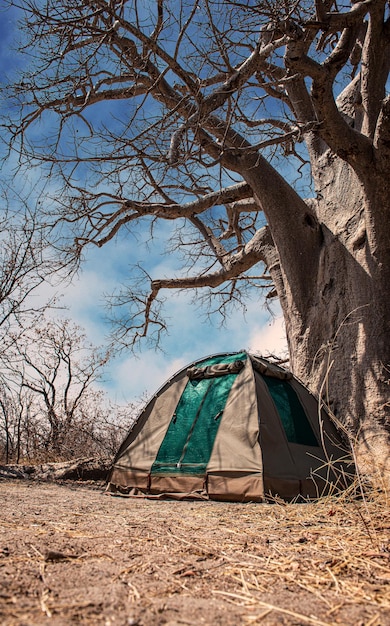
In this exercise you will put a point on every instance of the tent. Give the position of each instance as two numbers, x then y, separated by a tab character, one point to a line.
231	427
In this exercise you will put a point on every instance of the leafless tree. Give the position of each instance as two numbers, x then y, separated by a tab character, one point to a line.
25	264
56	365
21	427
10	426
200	112
97	429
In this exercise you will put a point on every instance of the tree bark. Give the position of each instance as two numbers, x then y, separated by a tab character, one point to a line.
339	342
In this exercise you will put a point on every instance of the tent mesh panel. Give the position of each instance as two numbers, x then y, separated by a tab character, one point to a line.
190	437
291	412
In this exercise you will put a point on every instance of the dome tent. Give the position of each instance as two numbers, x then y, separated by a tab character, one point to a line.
231	427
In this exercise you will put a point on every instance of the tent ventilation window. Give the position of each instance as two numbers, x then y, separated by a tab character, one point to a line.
291	412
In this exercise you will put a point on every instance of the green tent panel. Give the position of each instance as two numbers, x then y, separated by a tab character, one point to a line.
232	427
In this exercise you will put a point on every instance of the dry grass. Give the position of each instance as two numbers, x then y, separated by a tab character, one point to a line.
71	555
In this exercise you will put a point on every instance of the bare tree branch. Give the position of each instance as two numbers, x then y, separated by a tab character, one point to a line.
191	136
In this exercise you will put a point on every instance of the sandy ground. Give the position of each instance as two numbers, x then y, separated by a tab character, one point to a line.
71	555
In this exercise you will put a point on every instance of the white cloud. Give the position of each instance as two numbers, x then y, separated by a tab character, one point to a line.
270	338
133	377
190	339
190	336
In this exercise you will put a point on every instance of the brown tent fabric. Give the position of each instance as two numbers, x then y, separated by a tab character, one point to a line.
242	429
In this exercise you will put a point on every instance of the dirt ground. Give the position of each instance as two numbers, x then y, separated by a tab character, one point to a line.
70	554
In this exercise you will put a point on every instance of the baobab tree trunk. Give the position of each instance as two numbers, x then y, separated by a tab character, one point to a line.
339	342
330	270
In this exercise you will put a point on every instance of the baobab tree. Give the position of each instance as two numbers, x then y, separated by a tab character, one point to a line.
262	129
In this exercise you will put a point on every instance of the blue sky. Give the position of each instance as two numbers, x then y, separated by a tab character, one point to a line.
191	336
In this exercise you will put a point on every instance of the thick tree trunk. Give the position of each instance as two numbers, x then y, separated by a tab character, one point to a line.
339	341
